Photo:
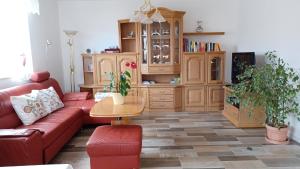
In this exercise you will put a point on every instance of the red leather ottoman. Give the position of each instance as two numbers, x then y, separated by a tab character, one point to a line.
115	147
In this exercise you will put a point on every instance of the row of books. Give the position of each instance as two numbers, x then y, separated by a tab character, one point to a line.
198	46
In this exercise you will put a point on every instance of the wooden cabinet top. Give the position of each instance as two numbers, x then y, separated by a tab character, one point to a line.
112	54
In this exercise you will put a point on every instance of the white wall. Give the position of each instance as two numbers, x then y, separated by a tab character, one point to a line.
96	22
45	27
272	25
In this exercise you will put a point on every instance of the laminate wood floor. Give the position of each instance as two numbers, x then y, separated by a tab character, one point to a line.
184	140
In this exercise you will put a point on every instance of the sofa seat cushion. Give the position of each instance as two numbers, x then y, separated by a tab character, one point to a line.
55	124
85	105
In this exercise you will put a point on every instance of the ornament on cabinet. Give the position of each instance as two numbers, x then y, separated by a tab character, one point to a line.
88	51
199	27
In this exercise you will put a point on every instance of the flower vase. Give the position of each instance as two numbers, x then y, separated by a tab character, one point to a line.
118	98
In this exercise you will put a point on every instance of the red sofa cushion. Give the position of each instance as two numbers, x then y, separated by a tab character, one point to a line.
40	76
115	141
55	124
86	106
77	96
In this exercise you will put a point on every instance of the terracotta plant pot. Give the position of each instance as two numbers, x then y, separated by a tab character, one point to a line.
118	98
277	136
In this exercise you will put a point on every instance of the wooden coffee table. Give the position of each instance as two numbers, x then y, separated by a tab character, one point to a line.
133	106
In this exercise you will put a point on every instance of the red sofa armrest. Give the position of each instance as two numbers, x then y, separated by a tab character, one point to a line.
20	147
76	96
5	133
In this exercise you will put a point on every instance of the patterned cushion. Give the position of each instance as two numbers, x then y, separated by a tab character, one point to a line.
28	107
50	99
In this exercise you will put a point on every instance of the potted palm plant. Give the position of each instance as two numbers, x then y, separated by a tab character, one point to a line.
273	87
119	87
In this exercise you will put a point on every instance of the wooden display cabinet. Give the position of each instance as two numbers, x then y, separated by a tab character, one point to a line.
128	36
203	78
157	50
240	116
160	44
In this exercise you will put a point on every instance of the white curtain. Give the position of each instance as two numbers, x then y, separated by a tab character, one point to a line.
15	49
33	6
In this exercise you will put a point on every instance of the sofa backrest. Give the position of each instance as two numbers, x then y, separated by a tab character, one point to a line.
8	117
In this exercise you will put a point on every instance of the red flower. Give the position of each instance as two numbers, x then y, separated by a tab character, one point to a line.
133	65
127	64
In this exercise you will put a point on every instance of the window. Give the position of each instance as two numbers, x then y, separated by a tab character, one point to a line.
15	50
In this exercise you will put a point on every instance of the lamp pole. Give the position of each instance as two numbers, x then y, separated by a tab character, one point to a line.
71	34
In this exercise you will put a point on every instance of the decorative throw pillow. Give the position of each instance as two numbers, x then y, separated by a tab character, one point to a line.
50	99
28	108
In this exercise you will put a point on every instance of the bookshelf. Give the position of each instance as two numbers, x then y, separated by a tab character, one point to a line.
203	72
128	36
87	69
190	45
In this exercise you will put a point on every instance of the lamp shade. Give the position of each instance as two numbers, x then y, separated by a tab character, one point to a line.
157	17
70	33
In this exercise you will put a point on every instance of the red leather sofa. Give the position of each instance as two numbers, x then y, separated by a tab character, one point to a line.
41	141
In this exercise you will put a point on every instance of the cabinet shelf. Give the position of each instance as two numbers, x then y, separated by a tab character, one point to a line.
213	52
161	37
159	85
128	38
202	33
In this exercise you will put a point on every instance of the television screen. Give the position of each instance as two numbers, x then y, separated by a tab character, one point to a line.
239	60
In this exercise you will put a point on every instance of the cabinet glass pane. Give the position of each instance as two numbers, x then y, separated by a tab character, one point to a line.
215	65
176	43
160	43
144	44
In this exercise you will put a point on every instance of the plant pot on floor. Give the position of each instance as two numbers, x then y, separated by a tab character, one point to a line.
277	136
118	98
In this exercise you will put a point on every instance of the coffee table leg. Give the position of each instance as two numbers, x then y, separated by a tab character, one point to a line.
120	121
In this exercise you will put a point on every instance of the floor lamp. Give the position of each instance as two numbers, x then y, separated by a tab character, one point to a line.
71	34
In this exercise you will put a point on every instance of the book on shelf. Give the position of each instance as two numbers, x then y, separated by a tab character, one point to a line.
200	46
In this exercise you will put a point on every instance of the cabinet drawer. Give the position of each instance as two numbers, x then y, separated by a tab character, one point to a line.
162	98
161	91
162	105
165	69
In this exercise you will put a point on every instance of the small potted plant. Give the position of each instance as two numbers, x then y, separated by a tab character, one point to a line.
274	88
119	86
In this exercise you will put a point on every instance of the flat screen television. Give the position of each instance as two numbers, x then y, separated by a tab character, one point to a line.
238	59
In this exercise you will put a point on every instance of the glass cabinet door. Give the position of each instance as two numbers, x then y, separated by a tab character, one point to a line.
176	42
144	42
215	68
160	43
